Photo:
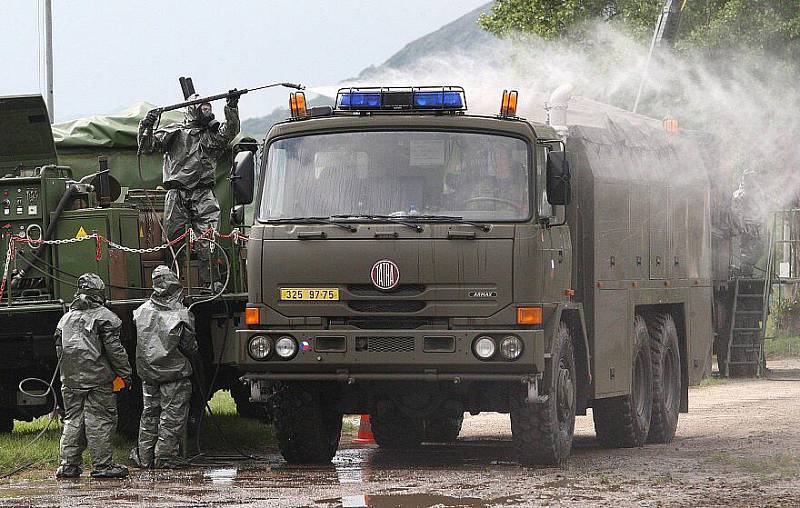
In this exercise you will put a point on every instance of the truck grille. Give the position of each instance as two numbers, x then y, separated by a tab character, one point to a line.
401	290
386	305
395	344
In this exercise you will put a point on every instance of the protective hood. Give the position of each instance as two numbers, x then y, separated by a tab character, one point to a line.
167	289
91	292
193	118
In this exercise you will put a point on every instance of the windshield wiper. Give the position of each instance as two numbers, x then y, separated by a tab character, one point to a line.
312	220
382	218
449	218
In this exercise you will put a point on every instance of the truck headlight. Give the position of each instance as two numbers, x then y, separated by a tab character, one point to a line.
511	347
286	347
259	347
484	347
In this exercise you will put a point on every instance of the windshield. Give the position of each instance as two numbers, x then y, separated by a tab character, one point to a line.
479	177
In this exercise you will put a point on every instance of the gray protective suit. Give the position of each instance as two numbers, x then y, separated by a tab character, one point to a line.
748	214
165	340
191	152
88	344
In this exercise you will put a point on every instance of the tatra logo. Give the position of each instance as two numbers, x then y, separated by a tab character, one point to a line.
483	294
385	274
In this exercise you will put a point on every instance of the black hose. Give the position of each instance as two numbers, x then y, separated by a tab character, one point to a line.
62	203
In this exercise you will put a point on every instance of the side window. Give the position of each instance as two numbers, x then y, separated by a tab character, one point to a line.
545	209
272	201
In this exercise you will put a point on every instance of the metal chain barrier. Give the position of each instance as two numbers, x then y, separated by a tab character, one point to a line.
208	235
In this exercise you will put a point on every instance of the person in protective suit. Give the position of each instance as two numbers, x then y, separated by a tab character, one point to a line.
191	152
91	355
165	342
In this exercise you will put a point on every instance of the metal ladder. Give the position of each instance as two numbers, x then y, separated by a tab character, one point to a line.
747	325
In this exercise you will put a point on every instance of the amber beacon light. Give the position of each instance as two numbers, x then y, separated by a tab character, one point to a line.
508	106
297	105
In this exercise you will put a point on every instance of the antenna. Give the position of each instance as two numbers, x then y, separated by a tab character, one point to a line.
48	56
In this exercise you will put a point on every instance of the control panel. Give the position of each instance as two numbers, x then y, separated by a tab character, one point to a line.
20	202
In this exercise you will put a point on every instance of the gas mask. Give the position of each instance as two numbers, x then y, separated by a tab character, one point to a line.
207	116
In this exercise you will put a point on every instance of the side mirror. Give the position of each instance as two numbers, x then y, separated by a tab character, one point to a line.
237	215
559	189
243	178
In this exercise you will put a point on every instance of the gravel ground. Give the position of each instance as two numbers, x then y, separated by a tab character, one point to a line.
738	446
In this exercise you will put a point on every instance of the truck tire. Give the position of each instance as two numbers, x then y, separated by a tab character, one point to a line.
443	430
624	421
396	432
307	428
666	361
6	424
542	431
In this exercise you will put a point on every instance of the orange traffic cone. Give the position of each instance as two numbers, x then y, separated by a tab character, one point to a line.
364	432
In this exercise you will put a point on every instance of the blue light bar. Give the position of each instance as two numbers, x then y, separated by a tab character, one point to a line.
438	100
399	99
359	100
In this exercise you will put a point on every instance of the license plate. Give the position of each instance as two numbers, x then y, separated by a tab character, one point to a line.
309	294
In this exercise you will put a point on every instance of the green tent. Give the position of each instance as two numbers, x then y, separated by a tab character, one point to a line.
79	143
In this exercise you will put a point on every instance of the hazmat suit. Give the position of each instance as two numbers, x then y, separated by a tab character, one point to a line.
747	210
165	342
91	354
191	152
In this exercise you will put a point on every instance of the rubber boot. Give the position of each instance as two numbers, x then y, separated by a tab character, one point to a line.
68	472
112	471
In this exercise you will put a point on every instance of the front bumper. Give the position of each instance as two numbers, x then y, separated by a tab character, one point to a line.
398	355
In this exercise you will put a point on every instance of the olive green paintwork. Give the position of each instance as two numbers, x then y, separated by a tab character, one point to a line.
636	240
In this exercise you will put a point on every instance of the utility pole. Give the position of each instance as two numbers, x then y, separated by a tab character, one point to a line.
48	56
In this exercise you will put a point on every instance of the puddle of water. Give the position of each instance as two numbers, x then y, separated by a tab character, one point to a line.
415	501
221	476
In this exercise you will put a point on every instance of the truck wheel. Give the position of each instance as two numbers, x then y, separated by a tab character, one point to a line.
6	424
443	430
666	361
542	431
624	422
307	428
396	432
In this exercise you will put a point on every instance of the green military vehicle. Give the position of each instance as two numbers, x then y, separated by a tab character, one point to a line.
46	195
414	262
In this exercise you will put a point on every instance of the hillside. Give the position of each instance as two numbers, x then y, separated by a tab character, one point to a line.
463	34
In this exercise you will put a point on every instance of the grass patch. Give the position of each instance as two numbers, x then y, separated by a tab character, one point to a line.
247	435
782	346
711	381
778	463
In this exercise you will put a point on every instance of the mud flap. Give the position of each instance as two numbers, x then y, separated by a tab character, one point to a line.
533	397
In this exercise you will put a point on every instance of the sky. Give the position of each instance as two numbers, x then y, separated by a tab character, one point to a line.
109	55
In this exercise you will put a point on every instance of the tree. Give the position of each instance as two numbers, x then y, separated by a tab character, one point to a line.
771	25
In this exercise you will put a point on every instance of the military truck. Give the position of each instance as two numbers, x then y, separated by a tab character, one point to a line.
414	262
41	198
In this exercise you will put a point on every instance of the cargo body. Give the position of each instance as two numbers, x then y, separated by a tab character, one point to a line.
374	280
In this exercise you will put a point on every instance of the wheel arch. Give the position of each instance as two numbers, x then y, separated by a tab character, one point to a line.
572	314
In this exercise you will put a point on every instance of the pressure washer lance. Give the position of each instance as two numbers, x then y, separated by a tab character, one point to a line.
210	98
